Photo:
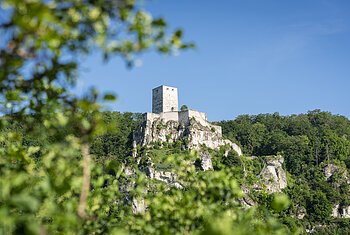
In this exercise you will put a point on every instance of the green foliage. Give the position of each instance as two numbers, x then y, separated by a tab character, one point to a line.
206	197
208	204
308	142
116	142
232	159
280	202
318	206
45	129
184	107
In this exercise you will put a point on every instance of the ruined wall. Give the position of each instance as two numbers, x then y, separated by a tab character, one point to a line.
169	116
187	115
165	117
199	116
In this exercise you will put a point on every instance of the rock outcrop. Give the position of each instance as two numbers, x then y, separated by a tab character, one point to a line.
193	131
336	174
168	177
246	200
273	178
206	163
341	211
301	212
138	205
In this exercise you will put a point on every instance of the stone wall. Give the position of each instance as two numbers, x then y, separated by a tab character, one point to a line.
165	117
157	100
185	117
169	116
199	116
170	99
164	99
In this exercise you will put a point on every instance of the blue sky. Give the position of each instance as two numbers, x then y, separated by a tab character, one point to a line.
252	57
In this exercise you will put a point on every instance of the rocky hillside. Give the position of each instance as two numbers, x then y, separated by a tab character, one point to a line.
206	150
192	135
294	171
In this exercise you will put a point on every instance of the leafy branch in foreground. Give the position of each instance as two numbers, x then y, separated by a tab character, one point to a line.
42	45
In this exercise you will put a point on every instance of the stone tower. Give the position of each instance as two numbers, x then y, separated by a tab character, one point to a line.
165	99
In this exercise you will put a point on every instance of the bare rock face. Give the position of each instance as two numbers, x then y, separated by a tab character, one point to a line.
195	132
165	176
273	177
341	211
155	130
301	212
206	163
329	170
337	174
138	205
246	200
128	171
199	134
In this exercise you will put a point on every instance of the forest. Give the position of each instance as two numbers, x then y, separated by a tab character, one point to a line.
308	142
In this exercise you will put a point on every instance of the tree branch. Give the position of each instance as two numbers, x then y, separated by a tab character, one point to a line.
86	180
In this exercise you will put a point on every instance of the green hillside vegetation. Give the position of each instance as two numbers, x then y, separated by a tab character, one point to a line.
210	200
207	204
308	142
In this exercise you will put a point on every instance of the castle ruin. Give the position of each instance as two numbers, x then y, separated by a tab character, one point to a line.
167	124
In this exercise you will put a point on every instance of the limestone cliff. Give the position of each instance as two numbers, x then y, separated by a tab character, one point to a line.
339	211
168	177
338	176
190	128
205	162
273	178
